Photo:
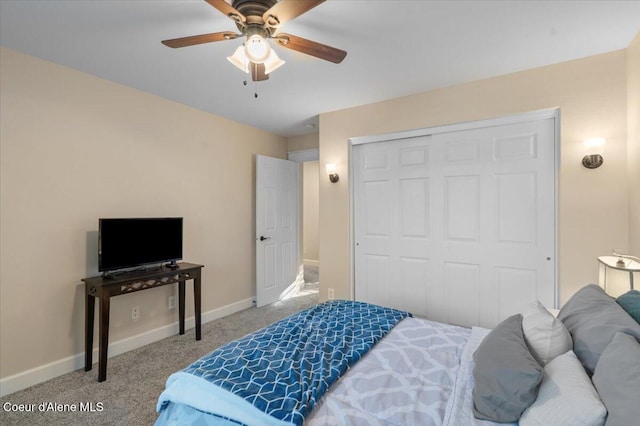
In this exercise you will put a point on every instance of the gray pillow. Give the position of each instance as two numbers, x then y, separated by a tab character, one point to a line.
617	379
593	318
507	376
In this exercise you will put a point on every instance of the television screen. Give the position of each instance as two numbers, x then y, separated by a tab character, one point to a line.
129	242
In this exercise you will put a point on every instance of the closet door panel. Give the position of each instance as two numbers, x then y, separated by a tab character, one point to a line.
457	227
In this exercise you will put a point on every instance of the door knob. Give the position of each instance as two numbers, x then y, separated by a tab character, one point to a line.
262	238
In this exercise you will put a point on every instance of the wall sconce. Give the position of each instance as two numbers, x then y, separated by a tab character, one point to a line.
331	171
617	274
594	148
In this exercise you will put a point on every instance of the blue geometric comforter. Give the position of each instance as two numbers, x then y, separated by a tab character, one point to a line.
277	374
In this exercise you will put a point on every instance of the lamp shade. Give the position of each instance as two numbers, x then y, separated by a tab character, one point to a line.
239	59
273	62
616	278
594	146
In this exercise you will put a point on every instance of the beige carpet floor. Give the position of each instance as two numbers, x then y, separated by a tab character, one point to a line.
136	378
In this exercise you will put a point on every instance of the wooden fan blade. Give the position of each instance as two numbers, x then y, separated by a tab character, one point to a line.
257	72
312	48
199	39
227	9
286	10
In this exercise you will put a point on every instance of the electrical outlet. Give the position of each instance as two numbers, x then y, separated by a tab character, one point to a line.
135	312
330	294
172	302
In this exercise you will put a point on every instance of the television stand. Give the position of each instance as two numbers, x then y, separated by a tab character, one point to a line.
104	288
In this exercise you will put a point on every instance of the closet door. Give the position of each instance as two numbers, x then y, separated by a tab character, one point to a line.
457	227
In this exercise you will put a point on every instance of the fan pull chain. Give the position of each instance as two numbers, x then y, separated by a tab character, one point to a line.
255	90
255	82
255	94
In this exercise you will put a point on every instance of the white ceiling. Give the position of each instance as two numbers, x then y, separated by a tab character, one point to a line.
395	48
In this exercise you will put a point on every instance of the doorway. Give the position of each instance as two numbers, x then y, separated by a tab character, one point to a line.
309	212
310	224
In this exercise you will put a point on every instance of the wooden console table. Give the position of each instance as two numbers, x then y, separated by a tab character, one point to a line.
104	289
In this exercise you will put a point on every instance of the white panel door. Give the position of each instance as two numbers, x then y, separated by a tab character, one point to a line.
393	226
276	227
457	227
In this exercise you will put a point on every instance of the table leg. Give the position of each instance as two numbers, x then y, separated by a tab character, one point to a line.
197	306
104	337
89	314
181	305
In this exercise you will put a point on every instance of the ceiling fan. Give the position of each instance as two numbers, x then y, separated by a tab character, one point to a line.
258	21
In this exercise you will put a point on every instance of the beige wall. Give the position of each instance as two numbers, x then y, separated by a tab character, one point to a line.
303	142
310	209
633	140
593	205
75	148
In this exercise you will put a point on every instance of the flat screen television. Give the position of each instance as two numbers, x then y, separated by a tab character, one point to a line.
130	242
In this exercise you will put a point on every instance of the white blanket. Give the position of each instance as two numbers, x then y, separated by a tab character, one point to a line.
420	374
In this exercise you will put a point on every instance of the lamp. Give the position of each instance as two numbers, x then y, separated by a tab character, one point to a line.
272	62
256	50
594	148
331	170
239	59
617	274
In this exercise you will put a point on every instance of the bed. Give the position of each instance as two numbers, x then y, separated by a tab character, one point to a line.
353	363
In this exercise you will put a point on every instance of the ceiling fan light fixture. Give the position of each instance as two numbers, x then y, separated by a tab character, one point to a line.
257	48
273	62
239	59
257	21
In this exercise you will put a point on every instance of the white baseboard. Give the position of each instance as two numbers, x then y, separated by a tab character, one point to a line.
66	365
311	262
